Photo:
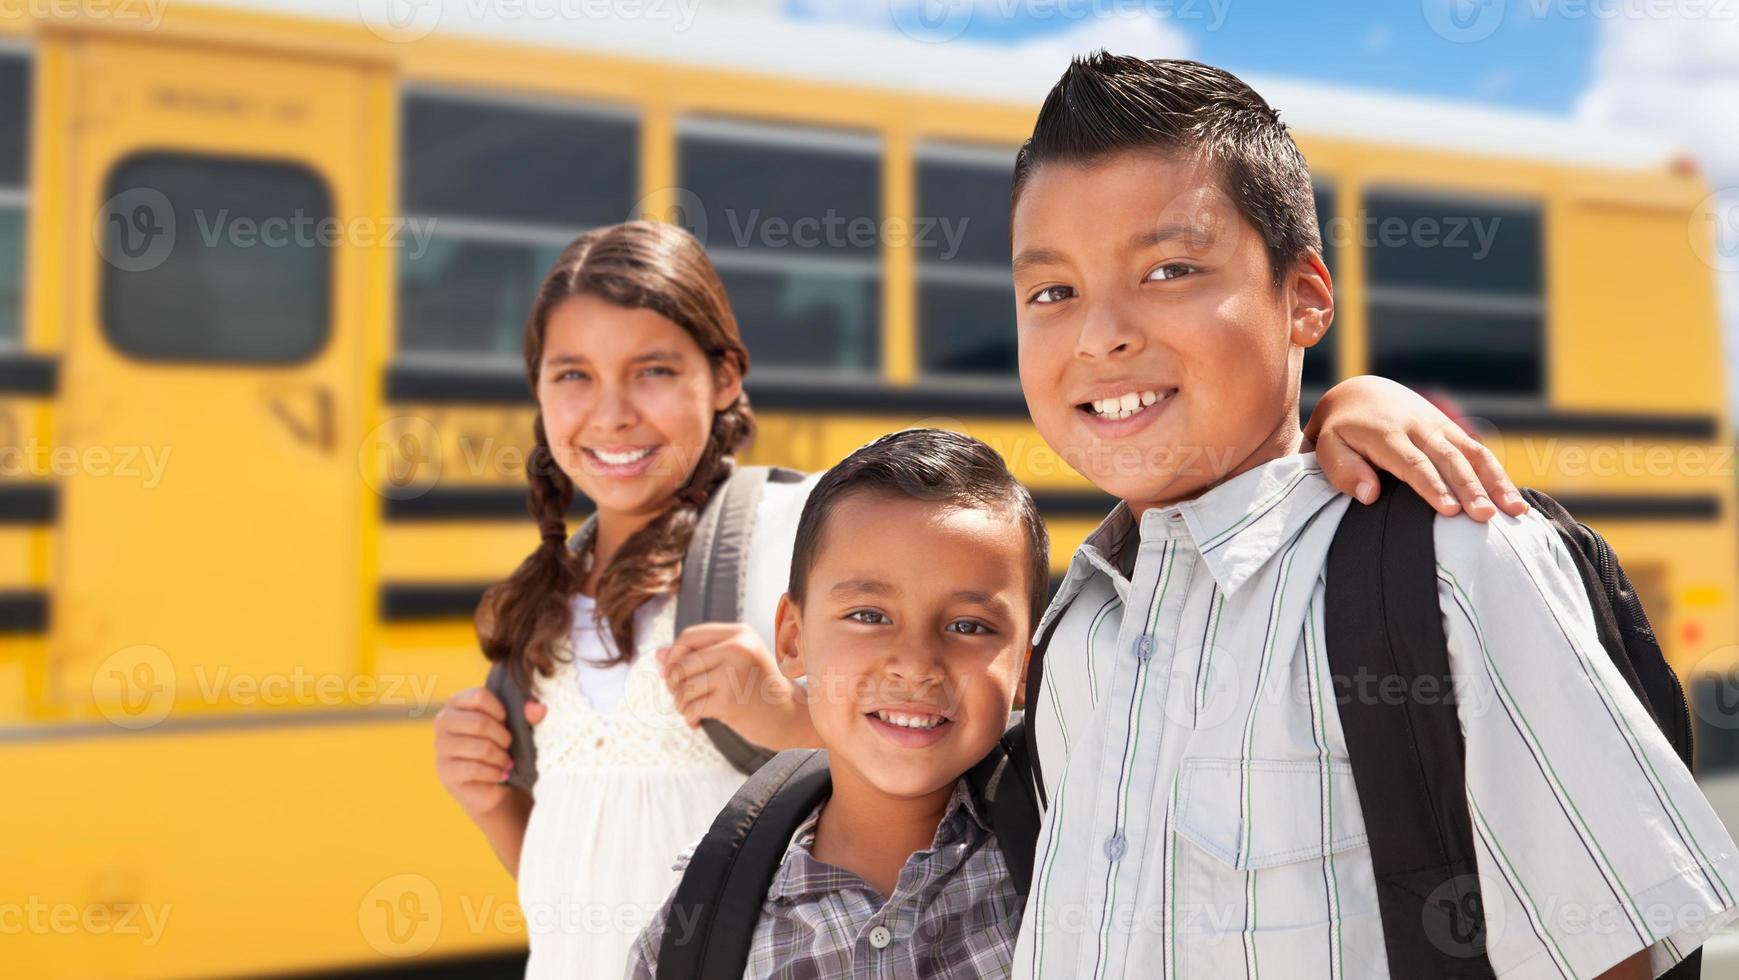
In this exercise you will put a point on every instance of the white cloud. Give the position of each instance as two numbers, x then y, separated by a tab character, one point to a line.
1678	76
1063	27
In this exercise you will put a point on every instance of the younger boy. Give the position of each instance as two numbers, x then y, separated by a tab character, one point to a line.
1202	816
919	567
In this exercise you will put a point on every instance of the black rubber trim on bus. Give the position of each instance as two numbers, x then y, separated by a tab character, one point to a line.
29	503
23	611
471	504
415	602
29	374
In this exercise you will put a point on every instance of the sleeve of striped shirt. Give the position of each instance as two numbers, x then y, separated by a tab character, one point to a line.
643	957
1593	841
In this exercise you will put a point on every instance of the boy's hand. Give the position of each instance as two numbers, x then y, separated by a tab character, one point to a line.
471	741
1369	420
723	671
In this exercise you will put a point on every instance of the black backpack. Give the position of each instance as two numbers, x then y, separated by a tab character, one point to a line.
1408	759
721	893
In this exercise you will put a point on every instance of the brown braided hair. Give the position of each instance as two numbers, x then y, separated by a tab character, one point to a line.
637	265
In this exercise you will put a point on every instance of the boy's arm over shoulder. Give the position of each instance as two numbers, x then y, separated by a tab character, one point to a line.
1593	841
643	957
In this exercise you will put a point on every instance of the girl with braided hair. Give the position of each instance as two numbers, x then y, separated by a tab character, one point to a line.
634	357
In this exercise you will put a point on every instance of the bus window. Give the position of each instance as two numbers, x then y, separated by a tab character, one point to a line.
793	220
14	147
244	271
1456	293
1319	367
501	186
965	294
1714	698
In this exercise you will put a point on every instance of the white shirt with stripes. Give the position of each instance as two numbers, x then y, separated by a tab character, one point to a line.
1203	818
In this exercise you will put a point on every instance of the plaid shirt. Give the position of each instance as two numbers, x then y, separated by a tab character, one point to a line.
954	912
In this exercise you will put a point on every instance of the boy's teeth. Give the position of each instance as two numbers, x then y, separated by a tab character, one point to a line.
622	459
1123	406
909	721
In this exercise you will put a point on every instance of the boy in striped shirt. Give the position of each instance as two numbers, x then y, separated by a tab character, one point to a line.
1203	820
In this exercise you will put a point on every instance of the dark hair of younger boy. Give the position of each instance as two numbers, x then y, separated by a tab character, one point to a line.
925	464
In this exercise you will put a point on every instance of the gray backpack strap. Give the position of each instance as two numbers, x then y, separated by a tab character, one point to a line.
523	749
713	575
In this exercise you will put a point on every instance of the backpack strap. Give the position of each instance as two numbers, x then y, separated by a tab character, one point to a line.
522	747
716	905
1383	620
1035	678
713	574
1001	782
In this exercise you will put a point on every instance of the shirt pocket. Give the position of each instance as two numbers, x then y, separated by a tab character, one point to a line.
1271	861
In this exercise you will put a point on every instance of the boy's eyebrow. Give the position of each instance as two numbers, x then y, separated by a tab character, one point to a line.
862	586
1166	232
1037	256
1140	240
556	360
988	600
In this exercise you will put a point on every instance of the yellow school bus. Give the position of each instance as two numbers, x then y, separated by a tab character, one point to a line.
263	268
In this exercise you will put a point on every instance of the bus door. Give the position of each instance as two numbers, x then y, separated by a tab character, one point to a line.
213	385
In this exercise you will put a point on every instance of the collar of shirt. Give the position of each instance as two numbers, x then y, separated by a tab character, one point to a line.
801	874
1236	526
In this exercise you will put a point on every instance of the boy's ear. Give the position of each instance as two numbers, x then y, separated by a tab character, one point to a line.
787	632
1020	682
1312	295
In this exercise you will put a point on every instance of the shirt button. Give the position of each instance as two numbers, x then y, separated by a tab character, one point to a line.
1116	847
1144	648
880	937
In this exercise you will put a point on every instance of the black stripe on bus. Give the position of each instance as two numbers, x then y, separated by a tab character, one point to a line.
28	374
23	611
29	503
407	602
1661	507
925	399
472	504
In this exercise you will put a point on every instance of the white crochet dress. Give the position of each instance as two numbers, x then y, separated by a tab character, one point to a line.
618	794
